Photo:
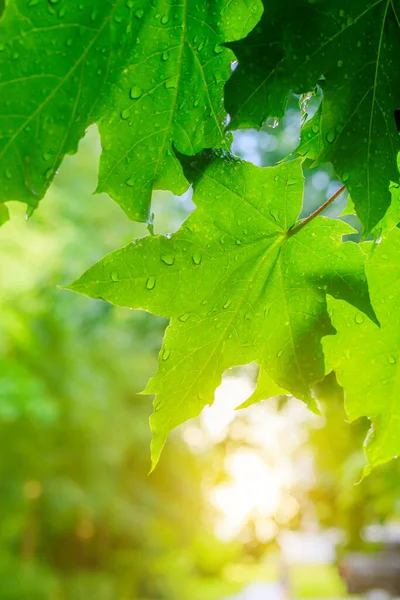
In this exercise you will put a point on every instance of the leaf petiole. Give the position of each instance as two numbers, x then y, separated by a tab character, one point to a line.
299	225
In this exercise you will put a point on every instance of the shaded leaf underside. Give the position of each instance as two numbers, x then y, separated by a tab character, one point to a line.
356	48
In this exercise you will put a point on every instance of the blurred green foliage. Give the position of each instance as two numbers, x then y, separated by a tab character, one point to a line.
80	518
338	494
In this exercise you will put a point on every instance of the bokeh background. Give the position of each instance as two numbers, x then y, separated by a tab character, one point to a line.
236	492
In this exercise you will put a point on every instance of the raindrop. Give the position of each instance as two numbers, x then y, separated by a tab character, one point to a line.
227	304
167	259
135	92
164	19
359	319
114	276
139	13
125	114
330	136
197	258
165	55
171	84
279	354
392	359
184	317
166	354
150	283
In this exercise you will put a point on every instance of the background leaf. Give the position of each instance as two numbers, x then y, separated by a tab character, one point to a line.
366	357
151	74
354	47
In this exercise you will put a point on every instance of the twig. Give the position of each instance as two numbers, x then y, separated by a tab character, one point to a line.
296	228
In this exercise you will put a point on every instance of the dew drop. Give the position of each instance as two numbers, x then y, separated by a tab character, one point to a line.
125	114
166	354
359	319
197	258
114	276
340	63
227	304
171	84
330	136
184	317
150	283
392	359
279	354
165	55
168	259
139	13
135	92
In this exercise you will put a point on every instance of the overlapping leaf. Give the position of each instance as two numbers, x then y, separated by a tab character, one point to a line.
238	284
151	73
355	46
366	358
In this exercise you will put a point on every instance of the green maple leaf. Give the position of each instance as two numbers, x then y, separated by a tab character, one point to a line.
4	216
311	143
150	73
355	47
238	283
268	388
366	358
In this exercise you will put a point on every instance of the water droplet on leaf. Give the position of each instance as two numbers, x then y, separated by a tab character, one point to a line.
197	258
135	92
150	283
168	259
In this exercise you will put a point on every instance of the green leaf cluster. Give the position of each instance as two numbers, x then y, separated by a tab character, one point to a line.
245	278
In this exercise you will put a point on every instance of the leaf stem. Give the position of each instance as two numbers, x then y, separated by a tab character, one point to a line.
298	226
